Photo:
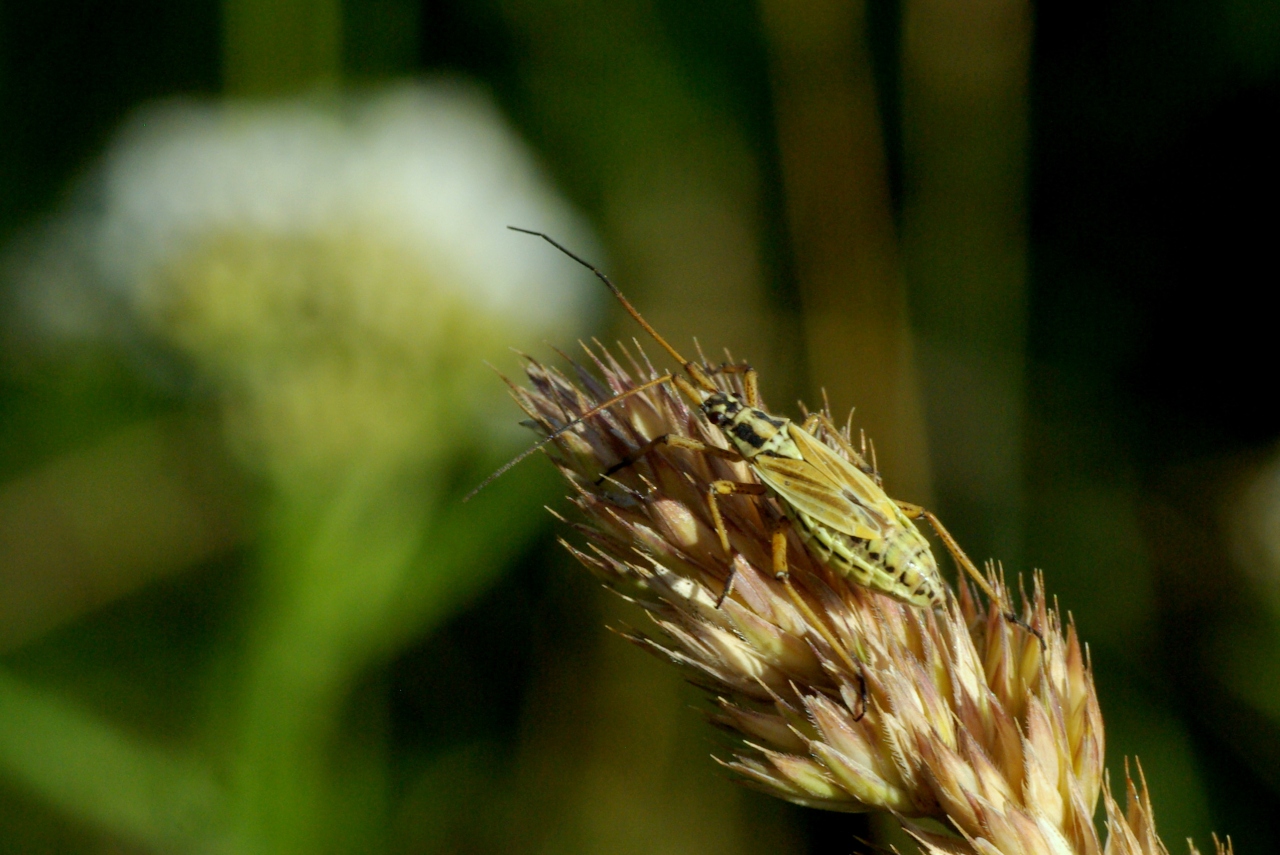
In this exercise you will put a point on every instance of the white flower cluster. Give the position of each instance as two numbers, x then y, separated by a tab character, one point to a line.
337	270
433	171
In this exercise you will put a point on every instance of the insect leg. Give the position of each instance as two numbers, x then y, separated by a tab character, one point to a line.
669	439
916	512
779	538
850	659
815	419
780	570
728	586
727	488
750	380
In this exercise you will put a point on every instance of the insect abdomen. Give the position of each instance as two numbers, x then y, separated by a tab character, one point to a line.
901	565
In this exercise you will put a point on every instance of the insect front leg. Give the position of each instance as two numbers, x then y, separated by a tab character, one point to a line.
965	562
750	380
672	440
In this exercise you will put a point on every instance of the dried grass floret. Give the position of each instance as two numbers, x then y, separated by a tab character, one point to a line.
840	697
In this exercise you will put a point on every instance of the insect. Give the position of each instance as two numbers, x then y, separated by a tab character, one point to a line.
843	517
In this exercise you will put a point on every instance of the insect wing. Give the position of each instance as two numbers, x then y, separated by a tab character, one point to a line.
809	490
854	483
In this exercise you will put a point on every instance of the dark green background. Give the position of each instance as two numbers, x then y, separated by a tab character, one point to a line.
1150	357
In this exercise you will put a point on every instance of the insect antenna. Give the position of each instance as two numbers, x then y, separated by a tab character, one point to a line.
688	366
555	434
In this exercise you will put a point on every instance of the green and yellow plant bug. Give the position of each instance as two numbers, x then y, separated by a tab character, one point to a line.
843	517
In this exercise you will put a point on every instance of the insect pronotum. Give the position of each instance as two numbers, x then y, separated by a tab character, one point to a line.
843	517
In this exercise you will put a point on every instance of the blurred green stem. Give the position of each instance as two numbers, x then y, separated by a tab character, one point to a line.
335	558
353	567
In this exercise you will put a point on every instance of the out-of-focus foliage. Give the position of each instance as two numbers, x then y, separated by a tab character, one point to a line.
315	278
242	387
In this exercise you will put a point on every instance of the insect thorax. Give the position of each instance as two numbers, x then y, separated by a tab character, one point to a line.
752	431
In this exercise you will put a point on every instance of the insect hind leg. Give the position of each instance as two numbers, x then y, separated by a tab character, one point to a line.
850	659
966	563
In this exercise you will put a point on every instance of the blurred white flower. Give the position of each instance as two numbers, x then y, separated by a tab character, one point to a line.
434	172
339	270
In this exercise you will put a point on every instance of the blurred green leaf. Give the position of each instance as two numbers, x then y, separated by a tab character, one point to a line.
92	770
